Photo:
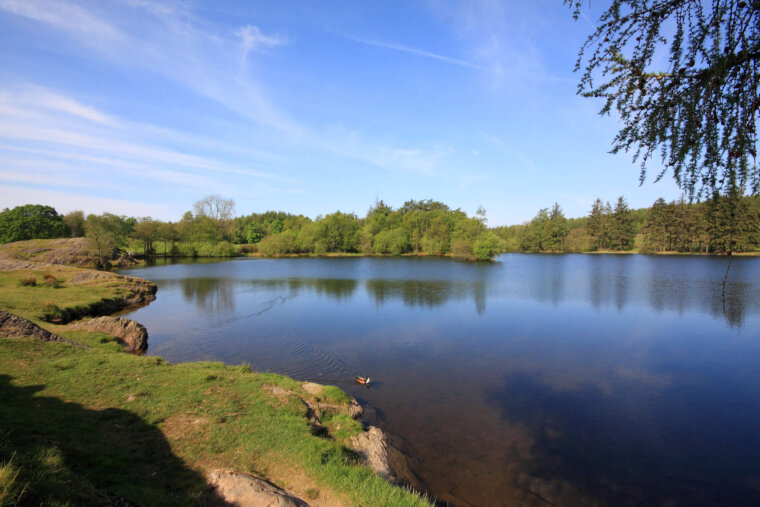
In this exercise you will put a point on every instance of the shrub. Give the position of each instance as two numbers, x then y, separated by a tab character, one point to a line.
28	281
486	248
249	248
461	248
52	313
51	281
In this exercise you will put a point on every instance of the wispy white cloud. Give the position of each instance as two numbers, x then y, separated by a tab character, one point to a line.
252	39
421	52
171	43
493	40
47	134
77	21
167	40
40	98
382	155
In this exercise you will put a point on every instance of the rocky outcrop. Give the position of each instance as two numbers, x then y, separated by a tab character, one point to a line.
61	251
386	454
354	409
13	326
142	291
248	491
371	446
132	335
383	452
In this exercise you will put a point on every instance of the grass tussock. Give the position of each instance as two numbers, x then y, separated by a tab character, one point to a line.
49	280
12	489
28	281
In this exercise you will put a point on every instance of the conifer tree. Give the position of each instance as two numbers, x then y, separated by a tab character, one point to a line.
622	233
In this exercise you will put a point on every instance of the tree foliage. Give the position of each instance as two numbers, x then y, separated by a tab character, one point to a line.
683	77
75	222
722	225
107	232
31	221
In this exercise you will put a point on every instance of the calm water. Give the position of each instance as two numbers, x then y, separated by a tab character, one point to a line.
534	380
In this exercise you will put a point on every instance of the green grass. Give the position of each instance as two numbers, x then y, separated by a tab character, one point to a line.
87	421
78	425
46	301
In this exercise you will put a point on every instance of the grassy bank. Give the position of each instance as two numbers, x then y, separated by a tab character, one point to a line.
79	426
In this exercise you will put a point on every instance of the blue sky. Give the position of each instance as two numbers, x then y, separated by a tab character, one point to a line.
142	107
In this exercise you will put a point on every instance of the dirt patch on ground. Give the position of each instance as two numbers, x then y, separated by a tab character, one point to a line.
184	426
303	486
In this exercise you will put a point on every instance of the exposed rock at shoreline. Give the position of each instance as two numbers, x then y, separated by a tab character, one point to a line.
248	491
61	251
354	409
13	326
143	291
132	335
371	446
137	292
386	455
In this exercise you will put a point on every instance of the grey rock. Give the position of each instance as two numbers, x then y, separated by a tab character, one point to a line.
131	334
248	491
13	326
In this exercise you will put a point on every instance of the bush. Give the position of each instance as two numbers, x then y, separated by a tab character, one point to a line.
278	244
28	281
462	248
52	313
486	248
51	281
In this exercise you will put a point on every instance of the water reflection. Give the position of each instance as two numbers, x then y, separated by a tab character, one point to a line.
210	295
535	380
334	288
660	283
642	448
414	293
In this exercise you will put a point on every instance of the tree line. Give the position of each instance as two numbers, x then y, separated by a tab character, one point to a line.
424	227
722	225
725	224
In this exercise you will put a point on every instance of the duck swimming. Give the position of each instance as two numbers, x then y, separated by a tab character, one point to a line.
362	380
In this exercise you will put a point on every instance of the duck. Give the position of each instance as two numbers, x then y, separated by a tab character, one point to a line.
362	380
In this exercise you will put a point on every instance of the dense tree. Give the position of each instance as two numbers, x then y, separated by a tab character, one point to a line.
218	210
31	221
107	232
167	233
339	232
621	231
656	229
598	227
699	110
75	222
147	230
732	225
534	236
555	230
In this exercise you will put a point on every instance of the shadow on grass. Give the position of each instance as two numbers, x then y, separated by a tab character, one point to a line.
66	453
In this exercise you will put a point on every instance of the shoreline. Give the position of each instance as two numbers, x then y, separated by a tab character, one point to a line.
142	258
329	410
